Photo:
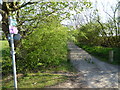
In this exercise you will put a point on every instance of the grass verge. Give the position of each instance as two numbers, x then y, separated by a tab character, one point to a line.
41	79
102	53
36	80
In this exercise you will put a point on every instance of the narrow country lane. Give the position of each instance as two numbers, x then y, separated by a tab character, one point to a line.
92	73
96	73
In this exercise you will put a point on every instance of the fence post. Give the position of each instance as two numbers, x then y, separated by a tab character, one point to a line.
111	55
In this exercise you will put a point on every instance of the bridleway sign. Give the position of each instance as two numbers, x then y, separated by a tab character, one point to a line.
13	36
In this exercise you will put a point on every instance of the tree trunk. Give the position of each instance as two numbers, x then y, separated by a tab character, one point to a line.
5	21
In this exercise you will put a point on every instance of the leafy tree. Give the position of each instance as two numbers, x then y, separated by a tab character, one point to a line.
89	34
111	27
108	32
33	12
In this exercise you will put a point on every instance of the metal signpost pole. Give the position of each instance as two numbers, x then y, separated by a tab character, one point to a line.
13	36
13	60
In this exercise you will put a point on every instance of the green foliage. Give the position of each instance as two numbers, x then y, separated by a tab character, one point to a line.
5	59
88	34
45	39
111	41
2	37
116	56
102	52
32	14
72	34
45	47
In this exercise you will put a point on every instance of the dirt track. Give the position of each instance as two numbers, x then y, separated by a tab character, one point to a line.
92	73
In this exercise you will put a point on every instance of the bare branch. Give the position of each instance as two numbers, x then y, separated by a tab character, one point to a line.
19	7
1	11
23	5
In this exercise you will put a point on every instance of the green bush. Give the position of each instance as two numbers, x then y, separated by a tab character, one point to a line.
88	34
116	56
5	59
102	52
45	47
72	34
99	51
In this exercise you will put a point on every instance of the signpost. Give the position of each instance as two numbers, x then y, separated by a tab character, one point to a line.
13	60
13	35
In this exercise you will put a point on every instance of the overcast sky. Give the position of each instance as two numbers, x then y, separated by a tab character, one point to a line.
105	5
102	6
